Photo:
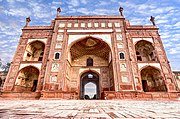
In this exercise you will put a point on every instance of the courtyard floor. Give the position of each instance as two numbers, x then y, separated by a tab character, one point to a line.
88	109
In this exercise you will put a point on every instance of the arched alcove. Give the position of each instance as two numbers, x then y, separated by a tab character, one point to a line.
87	47
145	51
152	81
93	54
27	79
34	51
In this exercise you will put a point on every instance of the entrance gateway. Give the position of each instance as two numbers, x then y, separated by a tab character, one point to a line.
120	60
87	92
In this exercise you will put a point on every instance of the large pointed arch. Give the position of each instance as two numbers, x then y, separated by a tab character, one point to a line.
90	53
27	79
152	80
89	46
34	51
145	51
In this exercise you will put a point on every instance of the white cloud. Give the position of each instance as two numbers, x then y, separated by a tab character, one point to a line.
173	51
84	1
162	21
113	0
9	28
99	11
84	11
10	1
56	2
167	44
39	10
15	1
72	10
145	7
74	3
136	21
102	3
18	12
160	10
177	24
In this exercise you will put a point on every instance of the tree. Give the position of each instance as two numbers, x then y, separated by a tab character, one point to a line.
6	67
0	63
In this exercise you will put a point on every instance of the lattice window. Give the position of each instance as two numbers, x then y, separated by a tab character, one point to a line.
57	55
89	62
121	55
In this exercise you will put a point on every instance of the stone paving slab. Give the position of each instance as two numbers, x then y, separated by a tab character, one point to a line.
88	109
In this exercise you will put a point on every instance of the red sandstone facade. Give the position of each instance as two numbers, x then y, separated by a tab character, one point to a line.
123	61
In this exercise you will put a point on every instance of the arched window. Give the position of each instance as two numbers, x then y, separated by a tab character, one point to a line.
89	62
34	51
57	55
121	55
145	51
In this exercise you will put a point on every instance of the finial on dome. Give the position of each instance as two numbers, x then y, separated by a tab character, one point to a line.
58	11
28	19
121	11
152	19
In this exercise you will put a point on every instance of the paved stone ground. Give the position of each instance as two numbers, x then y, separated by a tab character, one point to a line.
88	109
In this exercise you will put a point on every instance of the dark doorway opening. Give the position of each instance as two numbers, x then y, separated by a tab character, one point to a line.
145	85
34	85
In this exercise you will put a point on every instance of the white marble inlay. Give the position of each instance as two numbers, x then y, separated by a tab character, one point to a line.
55	67
103	24
118	30
123	67
95	24
53	78
82	24
117	24
120	45
98	30
61	25
58	45
119	36
89	25
69	25
59	37
109	24
125	79
76	25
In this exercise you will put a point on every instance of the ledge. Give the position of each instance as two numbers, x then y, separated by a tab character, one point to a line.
38	28
87	17
141	27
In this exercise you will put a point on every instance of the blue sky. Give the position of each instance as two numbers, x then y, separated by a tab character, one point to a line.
138	12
